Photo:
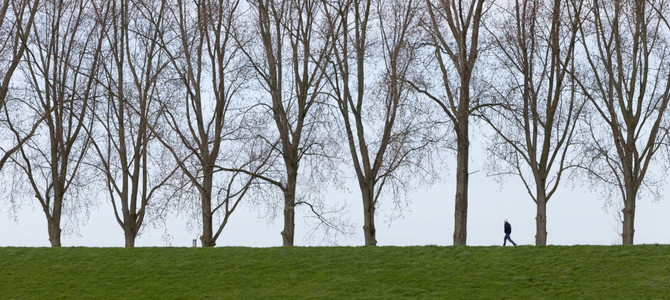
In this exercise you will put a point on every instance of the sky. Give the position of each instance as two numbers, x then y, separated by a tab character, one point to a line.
575	216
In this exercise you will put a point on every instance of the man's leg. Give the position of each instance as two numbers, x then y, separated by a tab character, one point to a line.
505	240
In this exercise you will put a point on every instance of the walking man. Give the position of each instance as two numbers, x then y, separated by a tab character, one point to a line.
508	231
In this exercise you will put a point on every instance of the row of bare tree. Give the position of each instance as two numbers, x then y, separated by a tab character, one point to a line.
196	106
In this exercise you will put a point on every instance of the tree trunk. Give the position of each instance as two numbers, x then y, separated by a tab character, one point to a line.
206	208
289	206
54	218
129	232
289	219
462	157
461	203
628	221
130	238
369	218
629	210
541	220
54	232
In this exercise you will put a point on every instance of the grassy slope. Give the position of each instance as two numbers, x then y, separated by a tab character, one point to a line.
639	272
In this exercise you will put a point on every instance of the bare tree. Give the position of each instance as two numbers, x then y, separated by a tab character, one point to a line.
296	42
625	46
453	29
61	62
16	22
380	150
129	154
537	116
208	124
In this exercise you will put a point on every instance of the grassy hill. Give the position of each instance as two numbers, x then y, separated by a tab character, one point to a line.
584	272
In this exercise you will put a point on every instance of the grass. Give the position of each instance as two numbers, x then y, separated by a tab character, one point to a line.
584	272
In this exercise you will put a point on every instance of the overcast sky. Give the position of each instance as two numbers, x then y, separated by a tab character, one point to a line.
574	217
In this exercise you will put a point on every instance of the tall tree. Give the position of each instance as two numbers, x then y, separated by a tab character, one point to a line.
379	150
537	116
453	30
295	42
61	62
210	73
132	77
627	82
16	21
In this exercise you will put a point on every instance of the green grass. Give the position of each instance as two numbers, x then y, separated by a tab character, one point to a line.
583	272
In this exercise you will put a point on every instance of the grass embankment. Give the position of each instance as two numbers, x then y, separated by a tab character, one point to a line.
603	272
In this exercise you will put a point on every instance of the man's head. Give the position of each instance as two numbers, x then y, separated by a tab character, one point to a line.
505	220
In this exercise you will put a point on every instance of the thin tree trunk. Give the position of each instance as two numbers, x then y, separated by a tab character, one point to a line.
289	220
541	219
462	157
53	225
206	205
369	218
289	206
55	217
461	201
629	218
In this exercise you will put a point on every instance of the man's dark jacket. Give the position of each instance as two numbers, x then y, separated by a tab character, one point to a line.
508	228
